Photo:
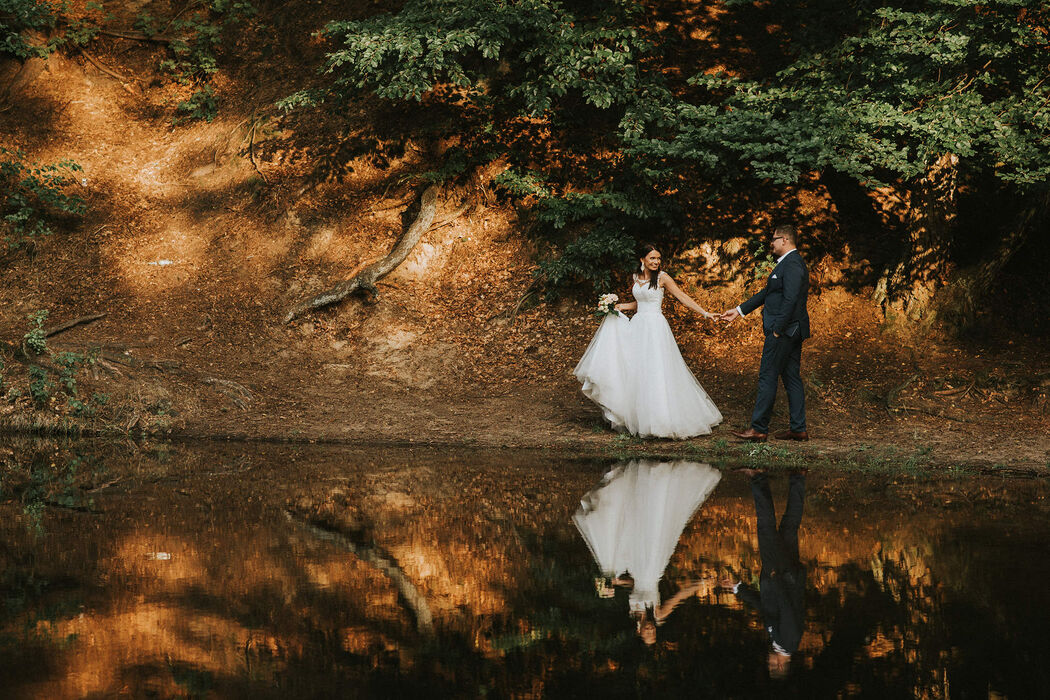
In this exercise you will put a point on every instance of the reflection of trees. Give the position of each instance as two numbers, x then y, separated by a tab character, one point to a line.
190	581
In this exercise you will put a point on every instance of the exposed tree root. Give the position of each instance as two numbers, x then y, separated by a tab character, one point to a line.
137	36
366	279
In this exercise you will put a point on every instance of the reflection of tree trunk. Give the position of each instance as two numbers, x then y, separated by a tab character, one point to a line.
909	288
415	601
958	301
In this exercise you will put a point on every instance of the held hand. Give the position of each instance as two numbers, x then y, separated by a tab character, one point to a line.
729	316
727	584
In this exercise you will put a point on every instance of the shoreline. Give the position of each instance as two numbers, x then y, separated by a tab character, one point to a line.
716	449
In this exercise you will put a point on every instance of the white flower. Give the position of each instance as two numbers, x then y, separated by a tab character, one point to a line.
606	304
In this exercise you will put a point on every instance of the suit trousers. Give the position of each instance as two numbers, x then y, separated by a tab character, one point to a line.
781	359
778	547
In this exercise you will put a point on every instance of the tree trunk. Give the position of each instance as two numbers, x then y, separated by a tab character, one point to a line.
908	290
957	304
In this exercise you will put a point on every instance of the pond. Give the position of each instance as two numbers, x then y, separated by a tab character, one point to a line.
262	570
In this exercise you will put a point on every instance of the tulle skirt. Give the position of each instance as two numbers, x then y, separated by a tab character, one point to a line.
632	520
634	371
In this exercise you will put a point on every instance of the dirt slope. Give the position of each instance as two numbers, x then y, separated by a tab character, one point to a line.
200	237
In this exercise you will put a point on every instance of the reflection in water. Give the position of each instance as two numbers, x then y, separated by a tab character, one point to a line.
780	599
632	521
270	571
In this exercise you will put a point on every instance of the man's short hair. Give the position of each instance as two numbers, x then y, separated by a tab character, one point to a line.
787	231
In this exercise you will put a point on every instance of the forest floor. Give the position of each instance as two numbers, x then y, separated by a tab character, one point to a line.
200	237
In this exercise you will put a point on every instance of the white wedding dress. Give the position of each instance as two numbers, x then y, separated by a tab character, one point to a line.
634	371
632	520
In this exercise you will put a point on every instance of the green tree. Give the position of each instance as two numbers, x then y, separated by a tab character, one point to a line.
538	84
912	96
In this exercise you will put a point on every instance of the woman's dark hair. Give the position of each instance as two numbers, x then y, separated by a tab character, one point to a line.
654	277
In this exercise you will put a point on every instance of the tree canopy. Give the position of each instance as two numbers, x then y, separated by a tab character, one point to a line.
599	121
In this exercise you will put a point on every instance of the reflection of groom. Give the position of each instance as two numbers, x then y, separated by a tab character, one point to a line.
781	595
785	322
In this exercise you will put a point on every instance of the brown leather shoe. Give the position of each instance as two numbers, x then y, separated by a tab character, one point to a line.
792	435
751	435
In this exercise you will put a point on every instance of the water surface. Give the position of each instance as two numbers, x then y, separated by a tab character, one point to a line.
286	572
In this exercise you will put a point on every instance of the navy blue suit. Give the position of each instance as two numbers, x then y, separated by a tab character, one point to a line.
783	302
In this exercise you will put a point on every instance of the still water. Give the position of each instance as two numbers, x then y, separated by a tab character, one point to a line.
286	572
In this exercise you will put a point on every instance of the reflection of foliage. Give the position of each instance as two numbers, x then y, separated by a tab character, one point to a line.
928	609
573	620
46	480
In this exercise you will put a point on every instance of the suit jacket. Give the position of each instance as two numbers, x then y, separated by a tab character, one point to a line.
783	300
780	601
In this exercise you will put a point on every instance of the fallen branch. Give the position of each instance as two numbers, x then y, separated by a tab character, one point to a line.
129	361
63	327
111	73
952	393
67	506
892	394
236	392
367	278
251	148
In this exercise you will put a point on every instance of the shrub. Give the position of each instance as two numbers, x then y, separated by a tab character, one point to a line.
31	193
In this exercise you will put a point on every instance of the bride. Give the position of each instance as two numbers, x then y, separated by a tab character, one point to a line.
634	370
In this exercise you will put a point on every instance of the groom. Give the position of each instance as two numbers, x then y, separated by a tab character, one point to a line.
785	322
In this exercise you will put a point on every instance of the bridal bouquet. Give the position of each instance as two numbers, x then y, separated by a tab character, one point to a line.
606	304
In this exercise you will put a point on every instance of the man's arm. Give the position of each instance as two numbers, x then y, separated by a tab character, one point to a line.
746	594
754	302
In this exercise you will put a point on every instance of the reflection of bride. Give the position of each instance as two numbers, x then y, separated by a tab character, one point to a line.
632	521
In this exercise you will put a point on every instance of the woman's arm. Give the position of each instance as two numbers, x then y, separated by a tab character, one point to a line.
667	282
627	305
664	610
